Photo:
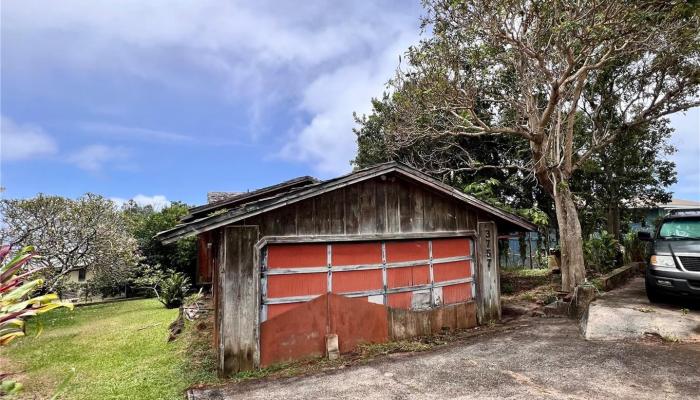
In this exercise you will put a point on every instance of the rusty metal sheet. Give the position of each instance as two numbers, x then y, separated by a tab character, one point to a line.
295	334
451	247
356	253
357	321
451	271
296	285
297	255
400	300
456	293
355	281
407	250
274	310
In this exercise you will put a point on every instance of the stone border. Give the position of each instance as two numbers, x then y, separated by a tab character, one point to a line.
620	276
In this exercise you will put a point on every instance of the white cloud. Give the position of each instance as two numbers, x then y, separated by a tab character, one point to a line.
323	60
327	141
23	141
93	158
687	140
158	201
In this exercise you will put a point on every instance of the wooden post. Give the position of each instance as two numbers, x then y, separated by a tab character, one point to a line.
238	298
488	286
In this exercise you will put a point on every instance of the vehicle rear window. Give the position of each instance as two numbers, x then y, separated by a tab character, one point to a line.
687	228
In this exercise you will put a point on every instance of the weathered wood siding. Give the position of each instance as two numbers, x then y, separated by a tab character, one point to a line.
386	205
488	286
238	297
389	205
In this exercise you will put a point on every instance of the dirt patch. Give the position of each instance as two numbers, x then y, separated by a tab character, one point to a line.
364	354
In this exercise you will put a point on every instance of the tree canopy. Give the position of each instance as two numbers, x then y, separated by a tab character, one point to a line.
87	233
562	81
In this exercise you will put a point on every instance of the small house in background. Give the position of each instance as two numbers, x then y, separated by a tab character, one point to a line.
307	267
649	216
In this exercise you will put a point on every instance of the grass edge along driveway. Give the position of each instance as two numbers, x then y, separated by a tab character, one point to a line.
112	351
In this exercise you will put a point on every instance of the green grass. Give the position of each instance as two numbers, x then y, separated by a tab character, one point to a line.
117	351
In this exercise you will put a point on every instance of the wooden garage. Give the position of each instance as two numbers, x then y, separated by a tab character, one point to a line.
306	267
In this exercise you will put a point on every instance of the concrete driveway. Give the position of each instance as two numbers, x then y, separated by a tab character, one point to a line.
544	358
625	313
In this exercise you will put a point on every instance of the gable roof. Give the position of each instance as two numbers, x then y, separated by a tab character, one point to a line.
216	215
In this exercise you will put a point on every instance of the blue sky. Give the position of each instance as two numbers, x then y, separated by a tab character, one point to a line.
163	100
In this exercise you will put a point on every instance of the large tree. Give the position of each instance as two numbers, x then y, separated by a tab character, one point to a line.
87	233
522	69
145	222
633	172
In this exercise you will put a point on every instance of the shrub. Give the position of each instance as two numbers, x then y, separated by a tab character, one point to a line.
601	252
635	249
173	290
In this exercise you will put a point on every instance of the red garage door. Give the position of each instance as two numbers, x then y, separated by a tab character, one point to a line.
408	274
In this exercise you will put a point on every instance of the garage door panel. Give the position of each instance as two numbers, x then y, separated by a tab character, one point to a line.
452	247
297	255
451	271
456	293
356	253
296	285
450	262
355	281
407	276
407	250
400	300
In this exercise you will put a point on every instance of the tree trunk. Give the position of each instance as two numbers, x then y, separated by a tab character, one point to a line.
573	271
614	220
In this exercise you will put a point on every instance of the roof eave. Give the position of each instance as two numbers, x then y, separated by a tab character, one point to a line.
217	221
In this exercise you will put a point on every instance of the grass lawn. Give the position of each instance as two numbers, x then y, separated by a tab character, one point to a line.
117	351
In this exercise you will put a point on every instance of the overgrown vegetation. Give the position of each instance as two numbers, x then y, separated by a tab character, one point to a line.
556	91
602	253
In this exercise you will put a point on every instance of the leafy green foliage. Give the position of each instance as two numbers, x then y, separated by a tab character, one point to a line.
601	252
173	290
635	249
17	302
16	289
168	286
145	223
547	86
85	233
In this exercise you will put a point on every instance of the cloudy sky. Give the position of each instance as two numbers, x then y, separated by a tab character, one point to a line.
161	100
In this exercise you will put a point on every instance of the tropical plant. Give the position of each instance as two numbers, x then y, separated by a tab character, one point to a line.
601	252
635	249
16	289
169	287
174	289
17	304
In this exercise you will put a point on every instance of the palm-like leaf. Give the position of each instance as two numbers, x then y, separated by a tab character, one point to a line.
16	303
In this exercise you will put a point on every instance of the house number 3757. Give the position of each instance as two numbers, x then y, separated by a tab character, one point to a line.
487	234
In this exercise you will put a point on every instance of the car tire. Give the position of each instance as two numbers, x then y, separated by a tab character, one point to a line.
653	294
